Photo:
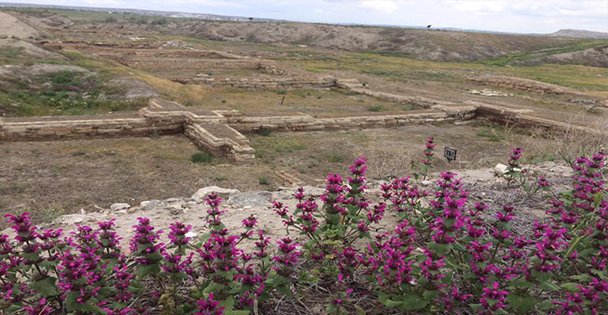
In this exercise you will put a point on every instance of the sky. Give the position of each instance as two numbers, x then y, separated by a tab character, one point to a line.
518	16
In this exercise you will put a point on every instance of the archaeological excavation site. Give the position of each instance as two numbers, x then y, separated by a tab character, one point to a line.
298	168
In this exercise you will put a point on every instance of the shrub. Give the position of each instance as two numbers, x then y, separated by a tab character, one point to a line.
446	254
376	108
336	157
201	157
264	180
264	131
161	21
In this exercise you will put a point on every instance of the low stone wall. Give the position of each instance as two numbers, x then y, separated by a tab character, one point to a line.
14	130
504	116
267	83
308	123
219	131
183	63
522	84
355	86
236	152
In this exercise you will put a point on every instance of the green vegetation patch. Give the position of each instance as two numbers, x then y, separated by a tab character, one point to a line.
62	93
201	157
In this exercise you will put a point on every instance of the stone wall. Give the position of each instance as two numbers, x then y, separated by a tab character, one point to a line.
308	123
522	84
266	83
79	127
220	131
519	118
182	63
235	151
355	86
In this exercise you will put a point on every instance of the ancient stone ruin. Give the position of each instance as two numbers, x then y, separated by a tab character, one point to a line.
221	132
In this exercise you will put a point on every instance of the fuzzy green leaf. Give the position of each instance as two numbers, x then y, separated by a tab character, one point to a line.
46	287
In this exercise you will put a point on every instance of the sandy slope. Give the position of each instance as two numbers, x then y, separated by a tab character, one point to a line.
11	26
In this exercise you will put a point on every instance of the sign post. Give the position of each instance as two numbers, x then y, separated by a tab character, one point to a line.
450	154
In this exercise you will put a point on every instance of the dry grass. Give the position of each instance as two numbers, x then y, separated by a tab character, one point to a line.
311	101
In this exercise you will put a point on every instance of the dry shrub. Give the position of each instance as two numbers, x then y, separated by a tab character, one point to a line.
386	161
541	144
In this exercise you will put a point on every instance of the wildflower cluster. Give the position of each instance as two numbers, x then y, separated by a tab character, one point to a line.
445	253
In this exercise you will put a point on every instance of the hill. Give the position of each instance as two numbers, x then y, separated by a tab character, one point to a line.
580	34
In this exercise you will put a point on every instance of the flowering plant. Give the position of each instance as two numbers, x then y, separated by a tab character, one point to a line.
443	252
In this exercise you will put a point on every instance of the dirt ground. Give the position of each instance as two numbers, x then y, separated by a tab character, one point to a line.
60	177
11	26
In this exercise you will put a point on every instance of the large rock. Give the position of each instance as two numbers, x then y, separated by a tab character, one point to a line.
500	169
151	204
70	219
251	199
200	195
120	206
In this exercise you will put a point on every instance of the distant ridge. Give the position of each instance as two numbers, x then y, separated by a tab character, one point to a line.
203	16
580	34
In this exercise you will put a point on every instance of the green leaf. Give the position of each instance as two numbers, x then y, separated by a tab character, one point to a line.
430	295
14	308
570	286
582	277
440	249
545	306
541	276
597	199
146	270
46	287
522	304
31	256
600	273
413	302
228	303
392	303
107	291
236	312
546	285
86	308
475	306
360	310
459	247
521	283
213	287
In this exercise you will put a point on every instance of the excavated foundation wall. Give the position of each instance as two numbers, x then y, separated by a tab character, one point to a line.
263	83
308	123
80	127
220	131
503	116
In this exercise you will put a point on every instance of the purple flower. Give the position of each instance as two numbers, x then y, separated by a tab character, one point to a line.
178	232
209	306
515	157
493	298
287	258
144	243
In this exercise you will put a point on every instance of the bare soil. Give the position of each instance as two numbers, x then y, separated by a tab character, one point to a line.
10	26
60	177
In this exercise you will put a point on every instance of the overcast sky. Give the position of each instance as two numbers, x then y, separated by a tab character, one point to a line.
522	16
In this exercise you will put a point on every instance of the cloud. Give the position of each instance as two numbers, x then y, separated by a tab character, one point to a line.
383	6
478	7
